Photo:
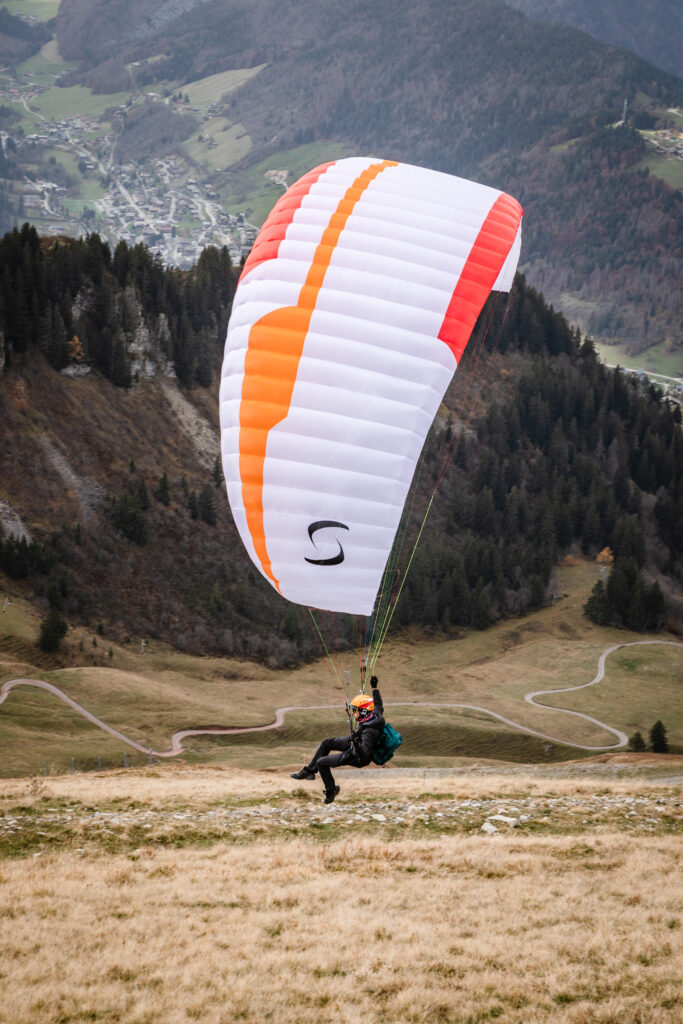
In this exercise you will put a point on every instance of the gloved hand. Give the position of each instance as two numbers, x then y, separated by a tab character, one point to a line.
374	682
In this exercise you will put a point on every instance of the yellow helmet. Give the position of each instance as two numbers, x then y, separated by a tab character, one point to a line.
363	703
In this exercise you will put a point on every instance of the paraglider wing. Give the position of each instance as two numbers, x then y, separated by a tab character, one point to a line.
351	314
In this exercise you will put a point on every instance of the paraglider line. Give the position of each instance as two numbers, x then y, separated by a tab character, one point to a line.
393	570
325	647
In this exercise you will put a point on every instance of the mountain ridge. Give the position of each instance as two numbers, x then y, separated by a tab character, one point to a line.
652	29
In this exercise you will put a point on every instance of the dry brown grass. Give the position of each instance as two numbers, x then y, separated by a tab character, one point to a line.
148	697
450	929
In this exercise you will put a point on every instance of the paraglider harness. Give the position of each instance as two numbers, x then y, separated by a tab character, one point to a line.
387	745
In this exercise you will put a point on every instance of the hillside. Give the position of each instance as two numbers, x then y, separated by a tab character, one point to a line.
471	88
652	29
176	123
109	395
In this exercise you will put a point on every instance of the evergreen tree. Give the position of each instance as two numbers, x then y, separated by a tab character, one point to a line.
53	629
481	616
636	614
658	741
142	496
207	505
655	608
163	493
637	743
57	350
130	518
597	605
120	365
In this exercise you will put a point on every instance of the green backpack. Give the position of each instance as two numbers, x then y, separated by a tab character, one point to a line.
387	745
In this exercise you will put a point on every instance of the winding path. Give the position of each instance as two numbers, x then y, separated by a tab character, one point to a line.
178	737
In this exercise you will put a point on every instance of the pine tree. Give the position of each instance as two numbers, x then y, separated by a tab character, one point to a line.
207	505
53	629
163	493
658	741
655	608
120	366
597	605
130	518
637	743
481	609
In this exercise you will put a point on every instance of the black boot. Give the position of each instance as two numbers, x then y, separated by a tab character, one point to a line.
305	773
330	794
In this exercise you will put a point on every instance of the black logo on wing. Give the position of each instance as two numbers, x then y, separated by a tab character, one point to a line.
322	524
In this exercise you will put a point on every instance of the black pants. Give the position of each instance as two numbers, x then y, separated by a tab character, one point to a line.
322	761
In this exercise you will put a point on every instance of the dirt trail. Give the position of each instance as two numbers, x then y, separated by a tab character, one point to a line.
178	737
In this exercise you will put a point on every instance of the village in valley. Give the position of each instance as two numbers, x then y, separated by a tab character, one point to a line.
141	203
74	183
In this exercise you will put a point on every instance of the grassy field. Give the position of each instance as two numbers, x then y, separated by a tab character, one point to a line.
476	878
150	696
177	894
232	143
43	10
656	359
642	680
260	194
58	103
206	91
668	168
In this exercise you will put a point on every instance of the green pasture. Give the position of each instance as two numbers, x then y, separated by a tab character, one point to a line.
657	359
88	184
76	99
27	121
562	147
433	738
641	685
40	733
232	143
148	697
37	67
206	91
43	10
668	168
46	64
74	207
90	189
68	160
258	193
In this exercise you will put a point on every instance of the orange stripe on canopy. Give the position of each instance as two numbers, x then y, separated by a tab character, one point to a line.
271	365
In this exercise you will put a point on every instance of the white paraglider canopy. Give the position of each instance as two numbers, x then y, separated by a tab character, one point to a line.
352	312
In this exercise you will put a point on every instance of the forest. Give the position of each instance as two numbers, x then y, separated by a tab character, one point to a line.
77	301
577	457
564	457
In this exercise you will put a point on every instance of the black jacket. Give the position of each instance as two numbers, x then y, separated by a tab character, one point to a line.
365	738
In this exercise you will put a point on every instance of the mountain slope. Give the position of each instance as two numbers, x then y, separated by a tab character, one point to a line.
653	29
109	468
472	88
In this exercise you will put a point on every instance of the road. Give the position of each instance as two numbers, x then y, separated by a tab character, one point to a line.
178	737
